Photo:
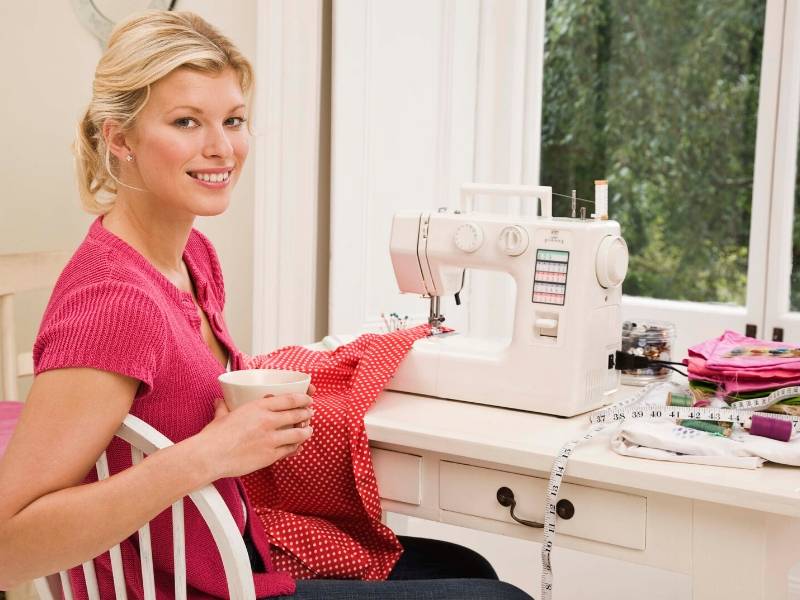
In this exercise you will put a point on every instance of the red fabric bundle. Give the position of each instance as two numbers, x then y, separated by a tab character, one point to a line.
320	509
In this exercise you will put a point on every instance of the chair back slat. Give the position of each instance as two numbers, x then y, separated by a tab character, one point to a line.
137	455
179	550
118	573
145	547
117	570
49	588
102	467
90	576
146	558
65	585
88	567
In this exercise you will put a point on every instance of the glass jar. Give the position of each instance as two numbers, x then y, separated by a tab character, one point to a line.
654	341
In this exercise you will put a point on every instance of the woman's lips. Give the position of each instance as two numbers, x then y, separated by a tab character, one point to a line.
211	180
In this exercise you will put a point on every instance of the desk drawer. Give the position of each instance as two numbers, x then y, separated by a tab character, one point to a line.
600	515
398	475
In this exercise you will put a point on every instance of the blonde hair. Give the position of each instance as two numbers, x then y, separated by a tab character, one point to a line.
141	50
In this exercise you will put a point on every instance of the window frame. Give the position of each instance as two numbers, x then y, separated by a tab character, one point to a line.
778	313
697	321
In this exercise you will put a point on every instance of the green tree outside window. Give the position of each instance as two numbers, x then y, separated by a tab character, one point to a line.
660	98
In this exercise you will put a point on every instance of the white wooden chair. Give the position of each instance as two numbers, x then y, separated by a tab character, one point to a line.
145	440
25	272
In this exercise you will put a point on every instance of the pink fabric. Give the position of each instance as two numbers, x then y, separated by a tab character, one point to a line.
320	508
9	415
738	363
112	310
741	380
733	350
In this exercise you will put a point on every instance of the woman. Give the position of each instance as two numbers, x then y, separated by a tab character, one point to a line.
135	325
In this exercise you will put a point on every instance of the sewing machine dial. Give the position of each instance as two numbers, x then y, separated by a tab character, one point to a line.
513	240
468	237
612	261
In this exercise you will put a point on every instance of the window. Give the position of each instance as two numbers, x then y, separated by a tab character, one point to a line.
782	291
660	98
795	287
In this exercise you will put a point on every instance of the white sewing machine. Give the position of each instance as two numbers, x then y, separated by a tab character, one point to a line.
568	274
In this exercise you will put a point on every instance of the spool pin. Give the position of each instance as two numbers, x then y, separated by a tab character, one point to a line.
707	426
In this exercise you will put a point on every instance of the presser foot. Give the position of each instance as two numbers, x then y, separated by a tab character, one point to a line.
441	332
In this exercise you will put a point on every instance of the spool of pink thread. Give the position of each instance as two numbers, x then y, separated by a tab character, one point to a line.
776	429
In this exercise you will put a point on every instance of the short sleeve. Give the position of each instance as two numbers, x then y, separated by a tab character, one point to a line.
108	326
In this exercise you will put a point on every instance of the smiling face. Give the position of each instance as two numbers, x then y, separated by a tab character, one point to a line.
189	142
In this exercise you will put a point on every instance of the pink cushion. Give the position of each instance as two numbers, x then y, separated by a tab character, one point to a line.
9	415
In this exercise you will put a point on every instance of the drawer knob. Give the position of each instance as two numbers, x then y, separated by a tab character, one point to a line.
506	498
565	509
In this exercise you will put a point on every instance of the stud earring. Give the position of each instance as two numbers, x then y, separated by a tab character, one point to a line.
129	158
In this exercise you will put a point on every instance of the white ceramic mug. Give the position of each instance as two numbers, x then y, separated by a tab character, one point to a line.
239	387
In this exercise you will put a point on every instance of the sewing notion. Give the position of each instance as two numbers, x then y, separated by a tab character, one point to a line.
568	274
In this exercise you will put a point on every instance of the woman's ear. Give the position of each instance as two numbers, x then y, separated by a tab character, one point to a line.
116	140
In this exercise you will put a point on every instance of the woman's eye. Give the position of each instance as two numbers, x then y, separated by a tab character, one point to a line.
236	122
186	123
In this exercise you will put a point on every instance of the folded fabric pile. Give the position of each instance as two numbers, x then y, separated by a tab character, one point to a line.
734	367
731	371
669	440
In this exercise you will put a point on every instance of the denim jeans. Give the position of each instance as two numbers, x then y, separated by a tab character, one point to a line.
427	570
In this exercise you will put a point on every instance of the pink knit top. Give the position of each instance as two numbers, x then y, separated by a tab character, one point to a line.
112	310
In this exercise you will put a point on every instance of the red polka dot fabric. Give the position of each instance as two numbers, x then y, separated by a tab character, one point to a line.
320	509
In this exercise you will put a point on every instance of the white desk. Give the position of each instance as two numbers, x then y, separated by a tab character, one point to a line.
736	532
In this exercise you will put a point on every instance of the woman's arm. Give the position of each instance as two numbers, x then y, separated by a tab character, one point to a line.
49	521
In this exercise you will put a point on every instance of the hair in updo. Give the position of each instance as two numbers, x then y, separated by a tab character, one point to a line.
141	50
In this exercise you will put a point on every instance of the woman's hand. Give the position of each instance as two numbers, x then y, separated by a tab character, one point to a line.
256	434
306	423
310	392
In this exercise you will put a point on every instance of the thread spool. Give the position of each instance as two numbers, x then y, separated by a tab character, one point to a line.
679	400
707	426
600	199
775	429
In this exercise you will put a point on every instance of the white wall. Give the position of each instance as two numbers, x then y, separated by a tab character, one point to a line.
426	96
48	68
